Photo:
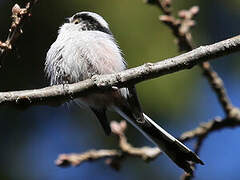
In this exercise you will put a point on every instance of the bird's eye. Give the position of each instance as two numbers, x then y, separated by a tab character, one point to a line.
76	21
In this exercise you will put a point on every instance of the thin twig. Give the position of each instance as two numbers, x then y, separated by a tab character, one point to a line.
218	86
214	125
115	155
164	5
145	153
19	16
77	159
203	130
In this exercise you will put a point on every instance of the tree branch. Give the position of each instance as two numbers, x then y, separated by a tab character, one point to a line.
62	93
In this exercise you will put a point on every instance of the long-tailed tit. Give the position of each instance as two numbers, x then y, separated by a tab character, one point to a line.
85	47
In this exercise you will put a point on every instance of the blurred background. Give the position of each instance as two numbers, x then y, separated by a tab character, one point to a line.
32	139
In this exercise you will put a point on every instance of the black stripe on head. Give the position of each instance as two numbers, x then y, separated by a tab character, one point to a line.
89	23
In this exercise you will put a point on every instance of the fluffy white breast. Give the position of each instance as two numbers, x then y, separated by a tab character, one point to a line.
78	55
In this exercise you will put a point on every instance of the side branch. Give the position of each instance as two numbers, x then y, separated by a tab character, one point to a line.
205	129
61	93
218	86
115	156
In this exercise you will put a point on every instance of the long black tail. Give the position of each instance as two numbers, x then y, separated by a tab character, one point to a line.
175	150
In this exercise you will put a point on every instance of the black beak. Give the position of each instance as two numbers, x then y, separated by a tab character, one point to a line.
67	20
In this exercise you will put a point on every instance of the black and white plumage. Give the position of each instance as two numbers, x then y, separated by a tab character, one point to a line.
85	47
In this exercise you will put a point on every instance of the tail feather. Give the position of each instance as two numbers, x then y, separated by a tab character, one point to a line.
175	150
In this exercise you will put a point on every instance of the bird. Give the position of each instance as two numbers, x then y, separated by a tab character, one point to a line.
85	46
